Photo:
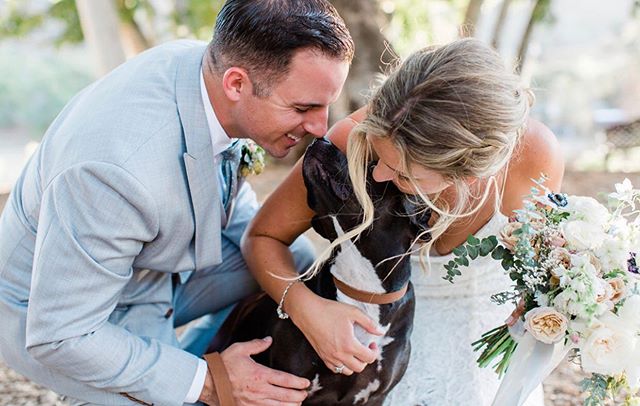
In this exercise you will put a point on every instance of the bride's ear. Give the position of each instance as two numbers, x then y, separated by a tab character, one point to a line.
235	82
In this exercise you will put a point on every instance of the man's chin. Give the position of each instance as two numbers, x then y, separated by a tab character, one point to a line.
278	152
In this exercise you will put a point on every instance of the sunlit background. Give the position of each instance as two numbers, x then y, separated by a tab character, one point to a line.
582	58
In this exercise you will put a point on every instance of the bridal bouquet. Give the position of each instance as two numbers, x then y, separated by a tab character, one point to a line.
577	283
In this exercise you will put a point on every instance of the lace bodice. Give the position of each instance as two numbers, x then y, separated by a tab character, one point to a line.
449	317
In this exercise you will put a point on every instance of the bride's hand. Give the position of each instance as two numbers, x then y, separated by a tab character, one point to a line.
329	326
516	314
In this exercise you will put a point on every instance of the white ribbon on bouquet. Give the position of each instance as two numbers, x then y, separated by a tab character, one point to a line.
530	364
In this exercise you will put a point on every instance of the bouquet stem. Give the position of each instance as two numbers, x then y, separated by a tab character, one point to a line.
496	343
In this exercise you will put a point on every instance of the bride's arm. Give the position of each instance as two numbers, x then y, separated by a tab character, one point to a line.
327	324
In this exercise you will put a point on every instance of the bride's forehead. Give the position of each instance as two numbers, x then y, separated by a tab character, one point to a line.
388	152
385	149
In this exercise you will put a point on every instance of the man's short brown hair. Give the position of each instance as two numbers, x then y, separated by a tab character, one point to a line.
262	36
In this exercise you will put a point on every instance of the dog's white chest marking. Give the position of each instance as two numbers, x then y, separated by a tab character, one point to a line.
357	271
363	395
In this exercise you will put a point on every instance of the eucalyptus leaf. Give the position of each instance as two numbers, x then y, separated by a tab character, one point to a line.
473	240
473	251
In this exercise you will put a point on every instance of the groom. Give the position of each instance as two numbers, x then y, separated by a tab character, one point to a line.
123	226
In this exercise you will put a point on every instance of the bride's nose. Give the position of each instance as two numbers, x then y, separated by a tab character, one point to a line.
382	173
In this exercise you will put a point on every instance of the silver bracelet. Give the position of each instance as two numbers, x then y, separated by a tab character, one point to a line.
281	313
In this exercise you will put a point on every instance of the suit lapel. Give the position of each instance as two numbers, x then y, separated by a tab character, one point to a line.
202	174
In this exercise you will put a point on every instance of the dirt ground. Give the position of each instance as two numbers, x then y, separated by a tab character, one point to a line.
561	388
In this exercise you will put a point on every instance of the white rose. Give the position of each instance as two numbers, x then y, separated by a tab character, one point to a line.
630	311
564	300
587	209
582	235
607	348
545	324
613	254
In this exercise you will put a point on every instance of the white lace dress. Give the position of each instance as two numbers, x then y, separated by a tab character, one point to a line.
449	317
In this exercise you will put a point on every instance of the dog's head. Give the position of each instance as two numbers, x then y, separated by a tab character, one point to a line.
397	220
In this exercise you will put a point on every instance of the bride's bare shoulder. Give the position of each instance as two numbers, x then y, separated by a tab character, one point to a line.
538	153
339	132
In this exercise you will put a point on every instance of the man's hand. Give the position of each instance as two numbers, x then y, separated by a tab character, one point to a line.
255	384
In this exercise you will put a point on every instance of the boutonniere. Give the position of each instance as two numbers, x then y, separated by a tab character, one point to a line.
251	159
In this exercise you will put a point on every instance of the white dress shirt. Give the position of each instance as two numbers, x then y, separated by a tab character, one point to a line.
219	141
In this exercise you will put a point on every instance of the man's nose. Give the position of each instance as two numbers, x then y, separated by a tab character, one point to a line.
316	121
381	173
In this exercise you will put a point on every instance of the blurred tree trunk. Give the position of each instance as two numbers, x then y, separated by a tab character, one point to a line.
539	11
499	25
365	19
100	26
133	38
471	17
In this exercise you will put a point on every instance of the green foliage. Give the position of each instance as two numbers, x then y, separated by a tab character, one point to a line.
190	18
410	25
600	387
596	388
470	250
19	22
196	18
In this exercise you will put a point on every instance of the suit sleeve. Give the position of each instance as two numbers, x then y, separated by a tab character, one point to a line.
93	222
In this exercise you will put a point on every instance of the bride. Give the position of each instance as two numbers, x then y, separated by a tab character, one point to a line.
449	127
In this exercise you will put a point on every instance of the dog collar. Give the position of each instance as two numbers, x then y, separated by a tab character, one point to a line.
369	297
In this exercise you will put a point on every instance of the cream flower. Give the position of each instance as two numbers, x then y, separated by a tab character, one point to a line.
629	311
507	237
583	235
614	253
545	324
608	346
618	288
587	209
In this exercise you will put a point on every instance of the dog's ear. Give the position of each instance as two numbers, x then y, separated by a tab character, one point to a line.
324	226
419	216
326	177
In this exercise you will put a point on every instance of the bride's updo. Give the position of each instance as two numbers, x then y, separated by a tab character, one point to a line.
454	109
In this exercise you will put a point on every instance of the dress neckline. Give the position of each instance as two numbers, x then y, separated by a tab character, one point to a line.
487	229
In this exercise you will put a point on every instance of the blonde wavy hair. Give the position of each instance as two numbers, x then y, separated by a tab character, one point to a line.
454	109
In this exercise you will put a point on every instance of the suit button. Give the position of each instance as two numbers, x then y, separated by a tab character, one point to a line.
168	313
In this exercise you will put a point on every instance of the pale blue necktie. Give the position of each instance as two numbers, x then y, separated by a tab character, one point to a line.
229	166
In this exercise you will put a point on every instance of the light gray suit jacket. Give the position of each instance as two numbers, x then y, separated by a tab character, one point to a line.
123	181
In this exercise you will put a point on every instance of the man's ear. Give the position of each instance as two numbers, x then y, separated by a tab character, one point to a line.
235	81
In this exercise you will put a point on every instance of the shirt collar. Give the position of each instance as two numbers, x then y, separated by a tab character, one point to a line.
219	138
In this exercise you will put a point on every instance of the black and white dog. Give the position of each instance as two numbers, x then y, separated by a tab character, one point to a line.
360	265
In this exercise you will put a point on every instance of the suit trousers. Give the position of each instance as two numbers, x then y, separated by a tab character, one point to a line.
206	292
